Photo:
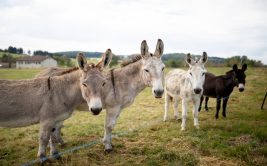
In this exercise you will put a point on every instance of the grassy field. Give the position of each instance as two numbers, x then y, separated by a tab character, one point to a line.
142	138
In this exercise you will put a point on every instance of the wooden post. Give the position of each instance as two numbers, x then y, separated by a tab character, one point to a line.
263	101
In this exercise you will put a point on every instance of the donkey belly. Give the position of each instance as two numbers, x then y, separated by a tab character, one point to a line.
17	118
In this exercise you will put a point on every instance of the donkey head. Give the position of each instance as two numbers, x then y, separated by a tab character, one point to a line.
153	67
92	80
240	76
196	72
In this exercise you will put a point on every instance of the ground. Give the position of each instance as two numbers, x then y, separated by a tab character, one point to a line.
142	138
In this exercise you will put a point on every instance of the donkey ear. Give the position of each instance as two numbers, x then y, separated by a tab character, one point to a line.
81	60
105	60
159	48
204	57
235	67
144	49
244	67
189	59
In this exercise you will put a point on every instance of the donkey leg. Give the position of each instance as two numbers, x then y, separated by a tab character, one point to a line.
195	112
206	103
200	105
111	117
52	144
167	102
224	107
175	108
218	107
57	133
184	114
44	136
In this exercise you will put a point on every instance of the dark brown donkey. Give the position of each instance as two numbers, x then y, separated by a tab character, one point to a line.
221	87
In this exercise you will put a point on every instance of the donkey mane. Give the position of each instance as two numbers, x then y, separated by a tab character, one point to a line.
68	71
131	59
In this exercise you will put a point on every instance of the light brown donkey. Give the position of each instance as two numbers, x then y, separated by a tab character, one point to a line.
49	100
125	83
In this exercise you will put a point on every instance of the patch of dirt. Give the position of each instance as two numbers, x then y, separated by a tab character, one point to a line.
208	160
241	140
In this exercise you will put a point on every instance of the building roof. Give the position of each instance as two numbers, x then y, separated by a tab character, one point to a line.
35	58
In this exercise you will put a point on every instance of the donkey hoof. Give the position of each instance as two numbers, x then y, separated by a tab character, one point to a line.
224	115
183	129
216	116
176	117
197	126
108	150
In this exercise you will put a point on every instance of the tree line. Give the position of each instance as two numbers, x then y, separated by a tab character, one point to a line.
178	60
171	60
13	50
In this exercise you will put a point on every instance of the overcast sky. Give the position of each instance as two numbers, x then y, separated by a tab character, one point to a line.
222	28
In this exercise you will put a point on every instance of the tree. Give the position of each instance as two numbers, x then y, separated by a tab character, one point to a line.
29	52
20	51
43	53
8	59
115	60
12	49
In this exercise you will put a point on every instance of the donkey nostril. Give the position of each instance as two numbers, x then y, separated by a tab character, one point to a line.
241	89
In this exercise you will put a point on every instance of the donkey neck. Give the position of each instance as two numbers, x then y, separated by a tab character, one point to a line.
133	75
230	79
67	89
128	81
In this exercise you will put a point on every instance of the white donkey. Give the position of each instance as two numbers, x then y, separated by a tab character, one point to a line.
125	83
49	100
188	85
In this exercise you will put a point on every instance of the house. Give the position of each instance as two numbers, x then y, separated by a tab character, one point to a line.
36	61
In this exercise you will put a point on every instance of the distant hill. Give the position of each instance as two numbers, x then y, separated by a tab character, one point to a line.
174	56
181	57
73	54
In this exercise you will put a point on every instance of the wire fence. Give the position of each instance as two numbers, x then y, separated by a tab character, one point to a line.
88	144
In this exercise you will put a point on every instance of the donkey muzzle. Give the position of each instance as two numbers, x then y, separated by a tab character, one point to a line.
197	90
158	93
96	111
241	87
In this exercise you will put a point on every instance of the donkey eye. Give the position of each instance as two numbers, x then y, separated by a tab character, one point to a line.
163	68
103	84
190	73
84	85
147	70
203	74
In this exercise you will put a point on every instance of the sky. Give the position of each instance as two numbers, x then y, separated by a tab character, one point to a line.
222	28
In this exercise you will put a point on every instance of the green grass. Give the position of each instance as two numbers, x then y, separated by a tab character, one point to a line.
239	139
16	74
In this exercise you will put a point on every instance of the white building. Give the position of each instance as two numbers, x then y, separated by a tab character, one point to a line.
36	62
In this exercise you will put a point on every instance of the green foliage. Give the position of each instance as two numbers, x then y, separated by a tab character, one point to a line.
173	63
43	53
15	50
239	60
63	60
115	60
